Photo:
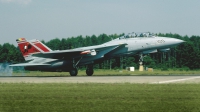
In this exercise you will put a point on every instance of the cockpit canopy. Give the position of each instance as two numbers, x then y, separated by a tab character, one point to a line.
138	35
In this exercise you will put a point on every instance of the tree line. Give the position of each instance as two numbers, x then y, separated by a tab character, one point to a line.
185	55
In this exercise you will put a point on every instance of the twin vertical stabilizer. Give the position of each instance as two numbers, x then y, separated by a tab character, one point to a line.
28	48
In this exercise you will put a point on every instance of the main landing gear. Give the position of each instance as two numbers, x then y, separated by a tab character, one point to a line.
74	71
89	71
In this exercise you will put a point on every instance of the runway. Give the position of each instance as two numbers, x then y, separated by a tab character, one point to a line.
104	79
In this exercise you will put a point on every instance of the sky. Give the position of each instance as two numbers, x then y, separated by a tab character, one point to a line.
50	19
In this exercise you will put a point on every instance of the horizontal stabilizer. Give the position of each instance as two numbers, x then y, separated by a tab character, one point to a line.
29	64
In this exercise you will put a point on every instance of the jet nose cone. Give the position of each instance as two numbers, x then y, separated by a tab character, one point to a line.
173	41
178	41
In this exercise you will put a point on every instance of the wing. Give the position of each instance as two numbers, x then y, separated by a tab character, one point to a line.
29	64
78	52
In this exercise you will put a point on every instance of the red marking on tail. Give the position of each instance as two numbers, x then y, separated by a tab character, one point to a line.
41	46
25	47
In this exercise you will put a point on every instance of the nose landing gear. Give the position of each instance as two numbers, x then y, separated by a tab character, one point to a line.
141	67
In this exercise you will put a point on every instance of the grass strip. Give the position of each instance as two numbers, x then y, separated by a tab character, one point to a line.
90	97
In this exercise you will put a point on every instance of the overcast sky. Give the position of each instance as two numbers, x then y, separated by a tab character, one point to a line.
49	19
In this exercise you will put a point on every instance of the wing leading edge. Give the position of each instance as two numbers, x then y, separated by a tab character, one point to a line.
78	52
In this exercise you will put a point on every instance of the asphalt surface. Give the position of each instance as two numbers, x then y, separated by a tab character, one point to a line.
103	79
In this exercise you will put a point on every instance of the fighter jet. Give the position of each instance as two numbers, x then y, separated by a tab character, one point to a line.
40	57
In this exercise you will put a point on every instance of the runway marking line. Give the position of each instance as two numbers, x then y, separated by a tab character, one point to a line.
176	80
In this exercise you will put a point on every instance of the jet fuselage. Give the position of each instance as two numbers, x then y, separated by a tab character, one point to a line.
130	46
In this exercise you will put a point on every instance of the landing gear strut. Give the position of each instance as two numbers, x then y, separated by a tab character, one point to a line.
74	71
141	67
89	70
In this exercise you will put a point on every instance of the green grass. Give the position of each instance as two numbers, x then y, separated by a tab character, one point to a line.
90	97
101	72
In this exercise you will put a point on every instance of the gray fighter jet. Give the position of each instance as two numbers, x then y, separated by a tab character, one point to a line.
40	57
